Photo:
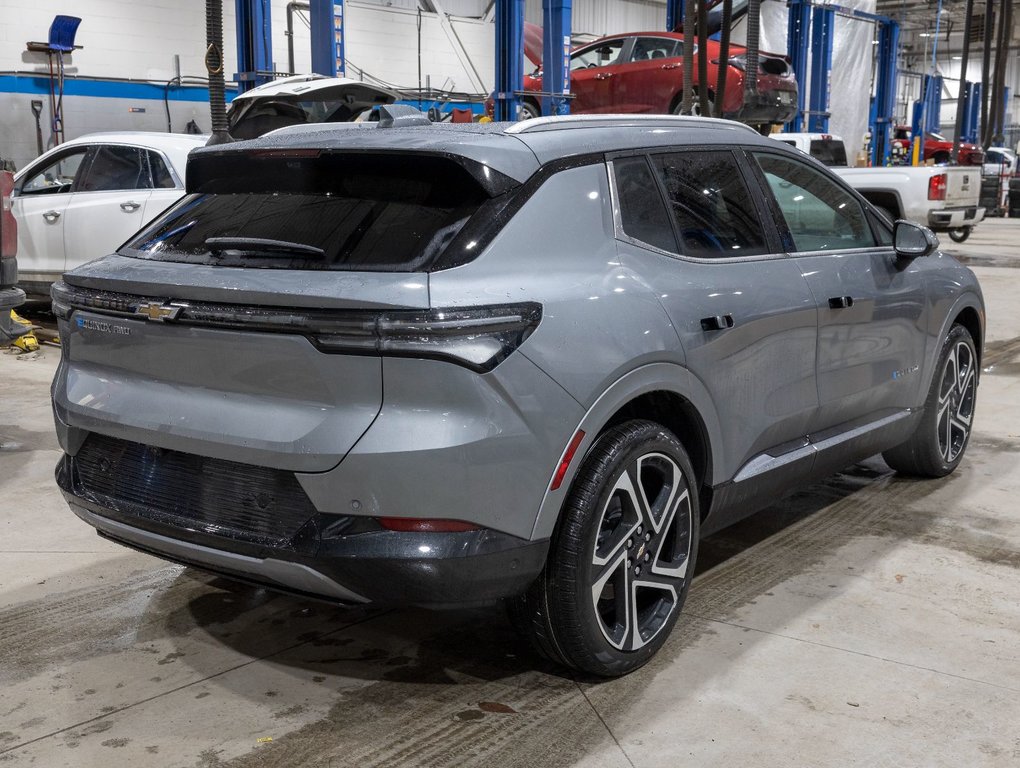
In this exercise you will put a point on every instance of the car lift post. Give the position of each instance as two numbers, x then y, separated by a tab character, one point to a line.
797	46
973	116
884	104
254	43
556	56
674	14
509	57
822	21
327	21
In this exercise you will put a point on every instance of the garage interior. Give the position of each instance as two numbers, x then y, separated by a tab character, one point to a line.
868	620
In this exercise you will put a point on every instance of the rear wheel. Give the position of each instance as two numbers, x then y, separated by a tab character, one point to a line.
937	445
695	106
887	213
529	110
959	234
622	558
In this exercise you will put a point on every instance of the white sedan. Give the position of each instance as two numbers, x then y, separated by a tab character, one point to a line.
84	198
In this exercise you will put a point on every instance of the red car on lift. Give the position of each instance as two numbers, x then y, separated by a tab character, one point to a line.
642	72
937	148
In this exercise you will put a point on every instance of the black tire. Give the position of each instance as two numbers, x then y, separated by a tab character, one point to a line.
887	213
609	536
938	444
529	110
959	234
695	106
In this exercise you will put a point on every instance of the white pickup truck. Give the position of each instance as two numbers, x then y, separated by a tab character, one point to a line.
944	198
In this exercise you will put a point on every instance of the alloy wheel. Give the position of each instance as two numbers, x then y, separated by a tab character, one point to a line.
956	401
642	551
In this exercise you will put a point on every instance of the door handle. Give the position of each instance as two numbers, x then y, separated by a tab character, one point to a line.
130	206
841	302
51	216
716	322
603	75
671	66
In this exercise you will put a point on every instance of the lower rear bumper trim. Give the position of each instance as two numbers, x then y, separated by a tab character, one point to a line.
289	575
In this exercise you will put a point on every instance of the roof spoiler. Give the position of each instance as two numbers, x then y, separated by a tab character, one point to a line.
400	116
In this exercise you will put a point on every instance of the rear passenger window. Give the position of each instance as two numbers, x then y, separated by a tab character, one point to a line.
116	167
711	206
820	214
642	211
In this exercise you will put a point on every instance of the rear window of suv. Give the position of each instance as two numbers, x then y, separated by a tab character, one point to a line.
316	211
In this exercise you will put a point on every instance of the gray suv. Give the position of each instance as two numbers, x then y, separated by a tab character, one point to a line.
408	363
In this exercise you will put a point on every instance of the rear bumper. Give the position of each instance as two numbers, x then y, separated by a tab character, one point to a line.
321	561
767	106
951	218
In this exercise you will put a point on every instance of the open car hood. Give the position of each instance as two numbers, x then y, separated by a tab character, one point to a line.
300	100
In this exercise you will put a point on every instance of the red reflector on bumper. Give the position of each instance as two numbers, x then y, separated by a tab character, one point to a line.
418	525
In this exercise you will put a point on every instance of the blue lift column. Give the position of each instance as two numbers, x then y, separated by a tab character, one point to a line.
822	22
509	57
674	14
973	116
884	104
254	43
327	20
797	46
556	56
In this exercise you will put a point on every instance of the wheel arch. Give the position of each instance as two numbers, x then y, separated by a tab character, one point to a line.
968	311
970	319
662	392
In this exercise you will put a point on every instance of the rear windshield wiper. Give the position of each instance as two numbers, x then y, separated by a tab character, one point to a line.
261	246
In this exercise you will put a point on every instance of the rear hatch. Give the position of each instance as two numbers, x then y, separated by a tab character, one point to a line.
247	322
301	100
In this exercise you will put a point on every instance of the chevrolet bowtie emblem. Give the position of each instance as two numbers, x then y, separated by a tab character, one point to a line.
158	312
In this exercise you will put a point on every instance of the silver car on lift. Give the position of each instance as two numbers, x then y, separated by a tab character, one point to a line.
428	364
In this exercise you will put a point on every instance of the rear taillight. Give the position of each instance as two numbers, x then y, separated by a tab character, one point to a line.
479	338
937	187
8	224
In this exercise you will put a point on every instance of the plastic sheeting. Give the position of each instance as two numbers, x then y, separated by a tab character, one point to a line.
852	67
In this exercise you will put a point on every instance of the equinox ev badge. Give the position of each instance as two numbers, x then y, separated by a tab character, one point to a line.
158	312
103	327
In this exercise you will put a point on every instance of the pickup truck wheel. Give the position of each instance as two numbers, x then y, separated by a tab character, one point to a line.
959	234
937	445
887	213
622	558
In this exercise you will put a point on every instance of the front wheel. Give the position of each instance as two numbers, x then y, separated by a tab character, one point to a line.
937	445
959	234
622	558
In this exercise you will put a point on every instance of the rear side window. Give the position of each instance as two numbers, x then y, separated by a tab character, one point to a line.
117	167
820	214
330	212
711	206
831	153
642	211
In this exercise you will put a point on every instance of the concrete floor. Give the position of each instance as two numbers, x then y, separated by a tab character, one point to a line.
870	620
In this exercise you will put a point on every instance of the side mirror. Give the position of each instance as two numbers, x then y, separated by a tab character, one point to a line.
912	240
